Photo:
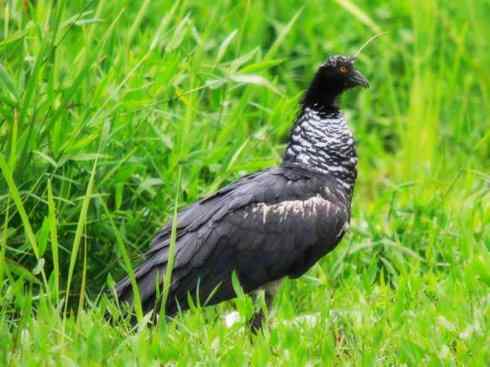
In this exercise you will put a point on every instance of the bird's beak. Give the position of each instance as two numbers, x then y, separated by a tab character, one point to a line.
357	79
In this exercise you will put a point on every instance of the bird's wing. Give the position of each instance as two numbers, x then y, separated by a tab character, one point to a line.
265	226
197	214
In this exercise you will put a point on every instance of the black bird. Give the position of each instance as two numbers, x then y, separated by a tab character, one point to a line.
268	225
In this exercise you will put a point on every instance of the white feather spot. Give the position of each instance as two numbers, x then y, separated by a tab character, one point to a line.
291	207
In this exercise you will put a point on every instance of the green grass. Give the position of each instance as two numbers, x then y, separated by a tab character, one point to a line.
103	103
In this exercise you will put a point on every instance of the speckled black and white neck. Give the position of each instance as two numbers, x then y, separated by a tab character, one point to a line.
322	141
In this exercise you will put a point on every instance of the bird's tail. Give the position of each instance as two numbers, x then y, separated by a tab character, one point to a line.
149	280
149	277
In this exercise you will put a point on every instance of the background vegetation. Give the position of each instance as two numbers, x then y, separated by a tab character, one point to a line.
103	103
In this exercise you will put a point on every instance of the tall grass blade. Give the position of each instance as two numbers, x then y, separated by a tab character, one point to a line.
15	195
8	83
53	231
82	220
282	36
127	264
359	14
167	281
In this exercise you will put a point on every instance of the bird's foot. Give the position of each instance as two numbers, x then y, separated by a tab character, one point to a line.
257	322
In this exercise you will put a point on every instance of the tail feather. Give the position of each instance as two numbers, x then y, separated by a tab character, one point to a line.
149	277
146	277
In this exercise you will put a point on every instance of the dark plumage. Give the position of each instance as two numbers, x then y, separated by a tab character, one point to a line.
268	225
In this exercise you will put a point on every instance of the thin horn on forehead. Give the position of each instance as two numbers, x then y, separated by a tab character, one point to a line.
372	38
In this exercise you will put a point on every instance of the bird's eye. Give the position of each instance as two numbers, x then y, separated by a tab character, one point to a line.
343	69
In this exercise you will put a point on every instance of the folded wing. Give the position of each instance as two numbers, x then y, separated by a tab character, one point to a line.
268	225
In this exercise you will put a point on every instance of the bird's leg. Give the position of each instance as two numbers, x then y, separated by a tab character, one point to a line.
257	320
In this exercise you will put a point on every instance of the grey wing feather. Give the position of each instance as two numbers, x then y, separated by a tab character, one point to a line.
261	227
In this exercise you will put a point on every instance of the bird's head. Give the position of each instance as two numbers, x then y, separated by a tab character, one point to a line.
336	75
339	71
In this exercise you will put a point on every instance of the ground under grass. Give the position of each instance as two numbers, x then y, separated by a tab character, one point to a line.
104	105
